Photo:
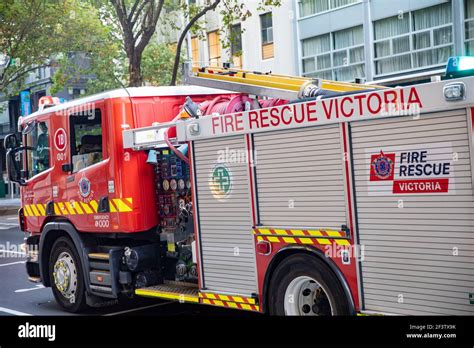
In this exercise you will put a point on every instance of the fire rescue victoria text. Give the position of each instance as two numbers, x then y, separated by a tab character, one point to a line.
348	107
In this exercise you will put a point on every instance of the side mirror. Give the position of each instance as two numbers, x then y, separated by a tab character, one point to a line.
11	141
14	160
67	168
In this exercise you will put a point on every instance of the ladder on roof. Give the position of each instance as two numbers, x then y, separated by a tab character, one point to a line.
264	84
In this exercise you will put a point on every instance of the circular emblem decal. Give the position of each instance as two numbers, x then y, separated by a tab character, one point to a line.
60	139
220	181
383	166
84	187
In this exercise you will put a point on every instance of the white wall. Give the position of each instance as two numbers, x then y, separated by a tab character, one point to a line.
283	35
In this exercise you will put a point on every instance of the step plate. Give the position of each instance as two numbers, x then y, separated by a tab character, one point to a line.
180	293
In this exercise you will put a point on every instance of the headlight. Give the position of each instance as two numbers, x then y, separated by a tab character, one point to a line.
454	91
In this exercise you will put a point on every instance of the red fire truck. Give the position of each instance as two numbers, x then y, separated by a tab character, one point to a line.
261	192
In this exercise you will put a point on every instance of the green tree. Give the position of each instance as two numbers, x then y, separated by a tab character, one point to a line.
39	33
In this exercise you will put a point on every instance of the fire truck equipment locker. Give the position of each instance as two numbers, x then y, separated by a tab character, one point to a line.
224	216
419	246
299	176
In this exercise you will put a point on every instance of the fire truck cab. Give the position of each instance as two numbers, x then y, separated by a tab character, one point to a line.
83	197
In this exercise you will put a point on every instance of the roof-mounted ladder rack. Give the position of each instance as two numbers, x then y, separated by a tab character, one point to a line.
264	84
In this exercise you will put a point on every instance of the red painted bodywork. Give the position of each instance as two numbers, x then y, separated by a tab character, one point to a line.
132	176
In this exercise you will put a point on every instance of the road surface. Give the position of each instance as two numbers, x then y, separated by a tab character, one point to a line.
18	296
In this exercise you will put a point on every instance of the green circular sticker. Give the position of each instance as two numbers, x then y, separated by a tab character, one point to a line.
220	182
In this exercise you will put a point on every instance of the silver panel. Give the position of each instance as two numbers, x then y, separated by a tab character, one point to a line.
300	179
225	223
410	251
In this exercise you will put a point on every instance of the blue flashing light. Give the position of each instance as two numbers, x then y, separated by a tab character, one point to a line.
460	67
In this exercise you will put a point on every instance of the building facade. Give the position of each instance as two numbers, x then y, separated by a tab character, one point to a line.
265	41
385	41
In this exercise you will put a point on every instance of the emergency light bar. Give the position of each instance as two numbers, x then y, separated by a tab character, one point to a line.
460	67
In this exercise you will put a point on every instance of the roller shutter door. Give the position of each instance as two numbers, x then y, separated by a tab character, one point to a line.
418	240
300	180
228	255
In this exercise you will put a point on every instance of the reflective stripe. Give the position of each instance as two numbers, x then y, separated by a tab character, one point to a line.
112	207
70	208
56	209
117	205
78	208
94	205
121	206
41	209
35	211
86	208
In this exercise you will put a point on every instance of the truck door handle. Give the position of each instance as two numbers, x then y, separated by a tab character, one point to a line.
70	178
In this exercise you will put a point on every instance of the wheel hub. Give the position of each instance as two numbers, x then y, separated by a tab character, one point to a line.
65	276
305	296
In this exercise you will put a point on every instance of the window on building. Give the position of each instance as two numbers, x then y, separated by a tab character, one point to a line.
86	140
413	40
335	56
38	154
195	50
214	43
310	7
236	45
469	26
266	25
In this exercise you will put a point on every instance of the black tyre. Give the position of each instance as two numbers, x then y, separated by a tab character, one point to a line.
66	276
304	285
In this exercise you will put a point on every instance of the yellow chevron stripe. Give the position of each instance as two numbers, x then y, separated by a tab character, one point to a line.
56	209
342	242
273	239
219	303
94	205
41	209
306	240
246	306
323	241
86	208
264	231
224	298
129	200
281	232
297	232
232	305
289	240
62	208
315	233
121	206
77	206
35	211
259	238
70	208
28	211
333	233
112	207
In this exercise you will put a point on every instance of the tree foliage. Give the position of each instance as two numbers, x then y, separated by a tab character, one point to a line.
116	39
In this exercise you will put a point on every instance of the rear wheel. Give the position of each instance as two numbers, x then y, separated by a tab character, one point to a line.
66	276
304	285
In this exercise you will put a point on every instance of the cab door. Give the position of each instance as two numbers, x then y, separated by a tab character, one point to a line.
37	171
86	181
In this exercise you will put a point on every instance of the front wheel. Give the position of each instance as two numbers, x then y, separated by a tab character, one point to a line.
66	276
304	285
